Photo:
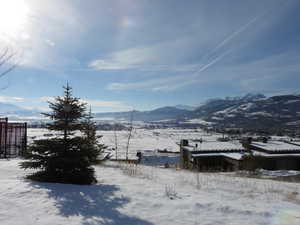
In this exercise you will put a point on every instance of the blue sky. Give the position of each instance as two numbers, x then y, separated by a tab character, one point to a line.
141	54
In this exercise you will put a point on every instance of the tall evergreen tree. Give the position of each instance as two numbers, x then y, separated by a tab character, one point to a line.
66	158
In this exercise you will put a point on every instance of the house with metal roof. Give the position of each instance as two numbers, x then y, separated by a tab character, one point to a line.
211	155
233	155
273	155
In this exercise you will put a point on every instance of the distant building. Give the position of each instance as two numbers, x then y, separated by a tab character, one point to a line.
211	155
274	155
232	155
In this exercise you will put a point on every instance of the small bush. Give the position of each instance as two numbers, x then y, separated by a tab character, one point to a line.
170	191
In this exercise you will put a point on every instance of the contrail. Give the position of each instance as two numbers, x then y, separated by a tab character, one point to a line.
242	28
181	83
212	62
235	33
223	42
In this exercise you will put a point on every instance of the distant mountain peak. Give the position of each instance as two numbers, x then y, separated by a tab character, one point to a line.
185	107
252	110
252	97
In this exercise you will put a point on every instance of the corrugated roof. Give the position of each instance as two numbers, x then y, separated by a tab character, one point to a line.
236	156
215	146
276	146
257	153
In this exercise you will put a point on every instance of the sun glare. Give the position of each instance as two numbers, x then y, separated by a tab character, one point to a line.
13	16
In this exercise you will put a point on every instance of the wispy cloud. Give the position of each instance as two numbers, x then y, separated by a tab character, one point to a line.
41	103
105	104
50	43
169	83
140	58
7	99
90	102
46	99
125	59
199	74
130	59
121	46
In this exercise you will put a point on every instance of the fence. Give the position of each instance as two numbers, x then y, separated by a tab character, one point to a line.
13	138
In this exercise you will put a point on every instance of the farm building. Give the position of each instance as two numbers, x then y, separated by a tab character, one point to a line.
233	155
274	155
211	155
13	138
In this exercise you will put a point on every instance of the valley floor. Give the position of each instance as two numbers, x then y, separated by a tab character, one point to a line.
142	195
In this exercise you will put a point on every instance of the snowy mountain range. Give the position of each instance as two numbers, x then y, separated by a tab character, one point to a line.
163	113
251	110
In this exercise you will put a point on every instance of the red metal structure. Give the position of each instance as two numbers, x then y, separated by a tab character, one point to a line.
13	138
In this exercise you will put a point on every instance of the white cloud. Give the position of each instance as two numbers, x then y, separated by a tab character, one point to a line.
254	75
125	59
37	108
50	43
46	99
106	106
98	103
90	102
168	83
40	103
169	55
158	57
7	99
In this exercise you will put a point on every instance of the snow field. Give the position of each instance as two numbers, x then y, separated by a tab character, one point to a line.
141	139
226	182
182	197
137	194
129	194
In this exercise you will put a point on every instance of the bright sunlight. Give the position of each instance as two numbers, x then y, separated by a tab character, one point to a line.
13	16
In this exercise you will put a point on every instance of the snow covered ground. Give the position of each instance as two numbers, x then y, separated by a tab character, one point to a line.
142	195
144	140
141	139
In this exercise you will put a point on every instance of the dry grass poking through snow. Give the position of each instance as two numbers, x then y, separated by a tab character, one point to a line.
243	186
141	195
184	197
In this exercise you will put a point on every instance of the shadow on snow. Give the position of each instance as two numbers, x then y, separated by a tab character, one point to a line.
96	204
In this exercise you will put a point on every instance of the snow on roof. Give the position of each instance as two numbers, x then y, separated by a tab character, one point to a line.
236	156
256	153
276	146
216	146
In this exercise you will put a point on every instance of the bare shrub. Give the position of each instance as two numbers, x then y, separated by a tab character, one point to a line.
293	196
198	184
130	169
170	191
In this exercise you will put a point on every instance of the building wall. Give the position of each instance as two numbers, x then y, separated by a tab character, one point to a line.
215	163
271	163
